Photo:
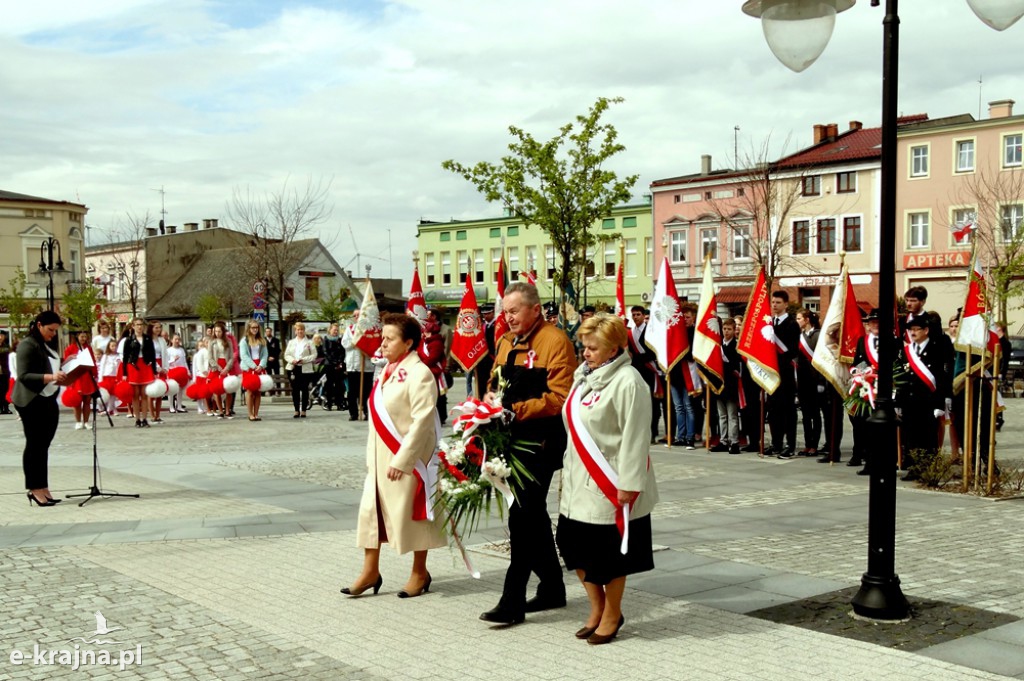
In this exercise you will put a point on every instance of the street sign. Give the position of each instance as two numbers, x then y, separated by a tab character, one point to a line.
259	316
258	303
258	287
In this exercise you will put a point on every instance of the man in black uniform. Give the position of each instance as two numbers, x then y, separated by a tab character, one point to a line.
483	369
924	399
782	403
334	368
644	361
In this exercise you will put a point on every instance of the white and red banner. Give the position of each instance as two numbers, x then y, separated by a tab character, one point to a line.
620	294
666	332
469	344
366	331
417	305
962	230
974	331
840	330
757	340
707	337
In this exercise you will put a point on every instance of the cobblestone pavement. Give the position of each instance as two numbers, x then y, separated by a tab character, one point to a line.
228	567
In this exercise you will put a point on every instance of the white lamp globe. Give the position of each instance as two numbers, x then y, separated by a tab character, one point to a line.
999	14
797	31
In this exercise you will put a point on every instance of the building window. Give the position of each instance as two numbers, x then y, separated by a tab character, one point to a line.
428	267
312	288
965	156
962	216
801	237
74	266
446	236
609	259
827	235
495	232
460	235
677	248
289	294
811	185
919	232
675	199
649	250
590	268
478	266
723	194
709	243
919	161
741	243
851	234
462	265
1012	215
846	182
495	259
549	262
531	259
631	257
446	268
513	263
513	230
608	223
1012	150
691	198
629	222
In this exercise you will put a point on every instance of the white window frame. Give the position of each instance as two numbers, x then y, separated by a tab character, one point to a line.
741	243
446	268
926	240
609	259
495	259
549	263
461	266
631	268
709	235
531	258
964	155
1016	214
649	256
925	160
956	215
677	243
1018	150
479	271
513	264
430	274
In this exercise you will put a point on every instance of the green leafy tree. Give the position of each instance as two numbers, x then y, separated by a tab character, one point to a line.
331	305
210	308
20	309
80	303
562	185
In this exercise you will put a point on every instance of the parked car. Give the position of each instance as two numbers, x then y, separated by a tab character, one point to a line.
1015	368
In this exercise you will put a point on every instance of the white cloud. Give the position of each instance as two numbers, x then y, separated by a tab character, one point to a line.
108	100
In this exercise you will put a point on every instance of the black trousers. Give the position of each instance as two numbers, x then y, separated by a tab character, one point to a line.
919	431
832	412
810	414
300	389
39	420
533	545
5	381
782	415
353	392
335	388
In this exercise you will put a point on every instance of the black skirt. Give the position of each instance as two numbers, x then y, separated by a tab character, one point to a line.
595	549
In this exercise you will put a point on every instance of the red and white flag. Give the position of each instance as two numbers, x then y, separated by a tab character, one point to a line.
620	294
500	324
840	330
666	331
707	337
366	331
469	344
417	305
974	331
962	230
530	276
757	340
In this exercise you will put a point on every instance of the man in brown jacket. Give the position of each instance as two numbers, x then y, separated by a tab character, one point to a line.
537	360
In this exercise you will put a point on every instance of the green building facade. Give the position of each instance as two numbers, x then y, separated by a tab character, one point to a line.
448	252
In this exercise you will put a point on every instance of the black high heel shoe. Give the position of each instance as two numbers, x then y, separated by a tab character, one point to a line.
53	501
597	639
32	498
359	592
424	589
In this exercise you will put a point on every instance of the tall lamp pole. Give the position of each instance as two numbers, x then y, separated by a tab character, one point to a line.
48	270
797	32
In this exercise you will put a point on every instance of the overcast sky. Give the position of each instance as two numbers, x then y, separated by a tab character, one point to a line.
106	101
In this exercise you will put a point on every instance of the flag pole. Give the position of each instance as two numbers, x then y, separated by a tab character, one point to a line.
668	410
992	420
977	425
968	443
707	417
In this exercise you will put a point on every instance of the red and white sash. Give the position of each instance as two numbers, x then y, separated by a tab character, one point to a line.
597	465
805	348
425	473
918	367
870	350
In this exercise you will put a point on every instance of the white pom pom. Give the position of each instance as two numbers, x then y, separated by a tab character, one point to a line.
232	384
156	389
266	383
172	387
104	395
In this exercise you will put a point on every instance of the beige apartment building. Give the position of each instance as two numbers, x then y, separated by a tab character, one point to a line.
955	170
26	223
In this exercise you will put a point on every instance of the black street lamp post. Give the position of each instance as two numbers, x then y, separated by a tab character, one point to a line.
797	32
48	271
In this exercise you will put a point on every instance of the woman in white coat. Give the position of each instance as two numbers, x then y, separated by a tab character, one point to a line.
299	358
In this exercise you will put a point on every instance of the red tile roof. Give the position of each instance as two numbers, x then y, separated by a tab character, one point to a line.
852	145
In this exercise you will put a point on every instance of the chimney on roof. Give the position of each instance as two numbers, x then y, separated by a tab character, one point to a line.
819	133
171	229
210	223
1001	108
150	231
191	226
705	164
833	131
856	125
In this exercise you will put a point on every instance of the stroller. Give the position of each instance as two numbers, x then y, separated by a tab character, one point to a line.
318	394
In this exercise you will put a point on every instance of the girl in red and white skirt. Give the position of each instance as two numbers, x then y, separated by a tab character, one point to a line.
222	359
156	333
110	370
83	388
138	366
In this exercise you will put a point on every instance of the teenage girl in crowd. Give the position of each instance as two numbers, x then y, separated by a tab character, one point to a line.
252	353
200	372
109	370
222	358
84	386
138	364
100	340
299	357
176	358
156	332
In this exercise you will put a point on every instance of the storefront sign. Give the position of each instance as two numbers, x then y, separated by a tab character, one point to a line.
920	261
824	280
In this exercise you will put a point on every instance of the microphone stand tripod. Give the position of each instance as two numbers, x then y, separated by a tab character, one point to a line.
95	490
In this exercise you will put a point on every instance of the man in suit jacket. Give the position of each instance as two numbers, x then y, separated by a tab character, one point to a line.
645	362
810	384
782	403
925	396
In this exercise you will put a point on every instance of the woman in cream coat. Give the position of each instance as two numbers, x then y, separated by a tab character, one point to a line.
608	416
405	395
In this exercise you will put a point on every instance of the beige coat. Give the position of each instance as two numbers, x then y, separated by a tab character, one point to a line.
619	420
410	396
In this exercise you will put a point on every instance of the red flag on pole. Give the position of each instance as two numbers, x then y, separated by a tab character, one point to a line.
707	337
620	293
853	327
666	332
757	340
417	305
500	325
973	330
366	333
469	345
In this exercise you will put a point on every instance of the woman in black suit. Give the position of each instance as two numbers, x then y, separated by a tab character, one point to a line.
35	398
139	366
